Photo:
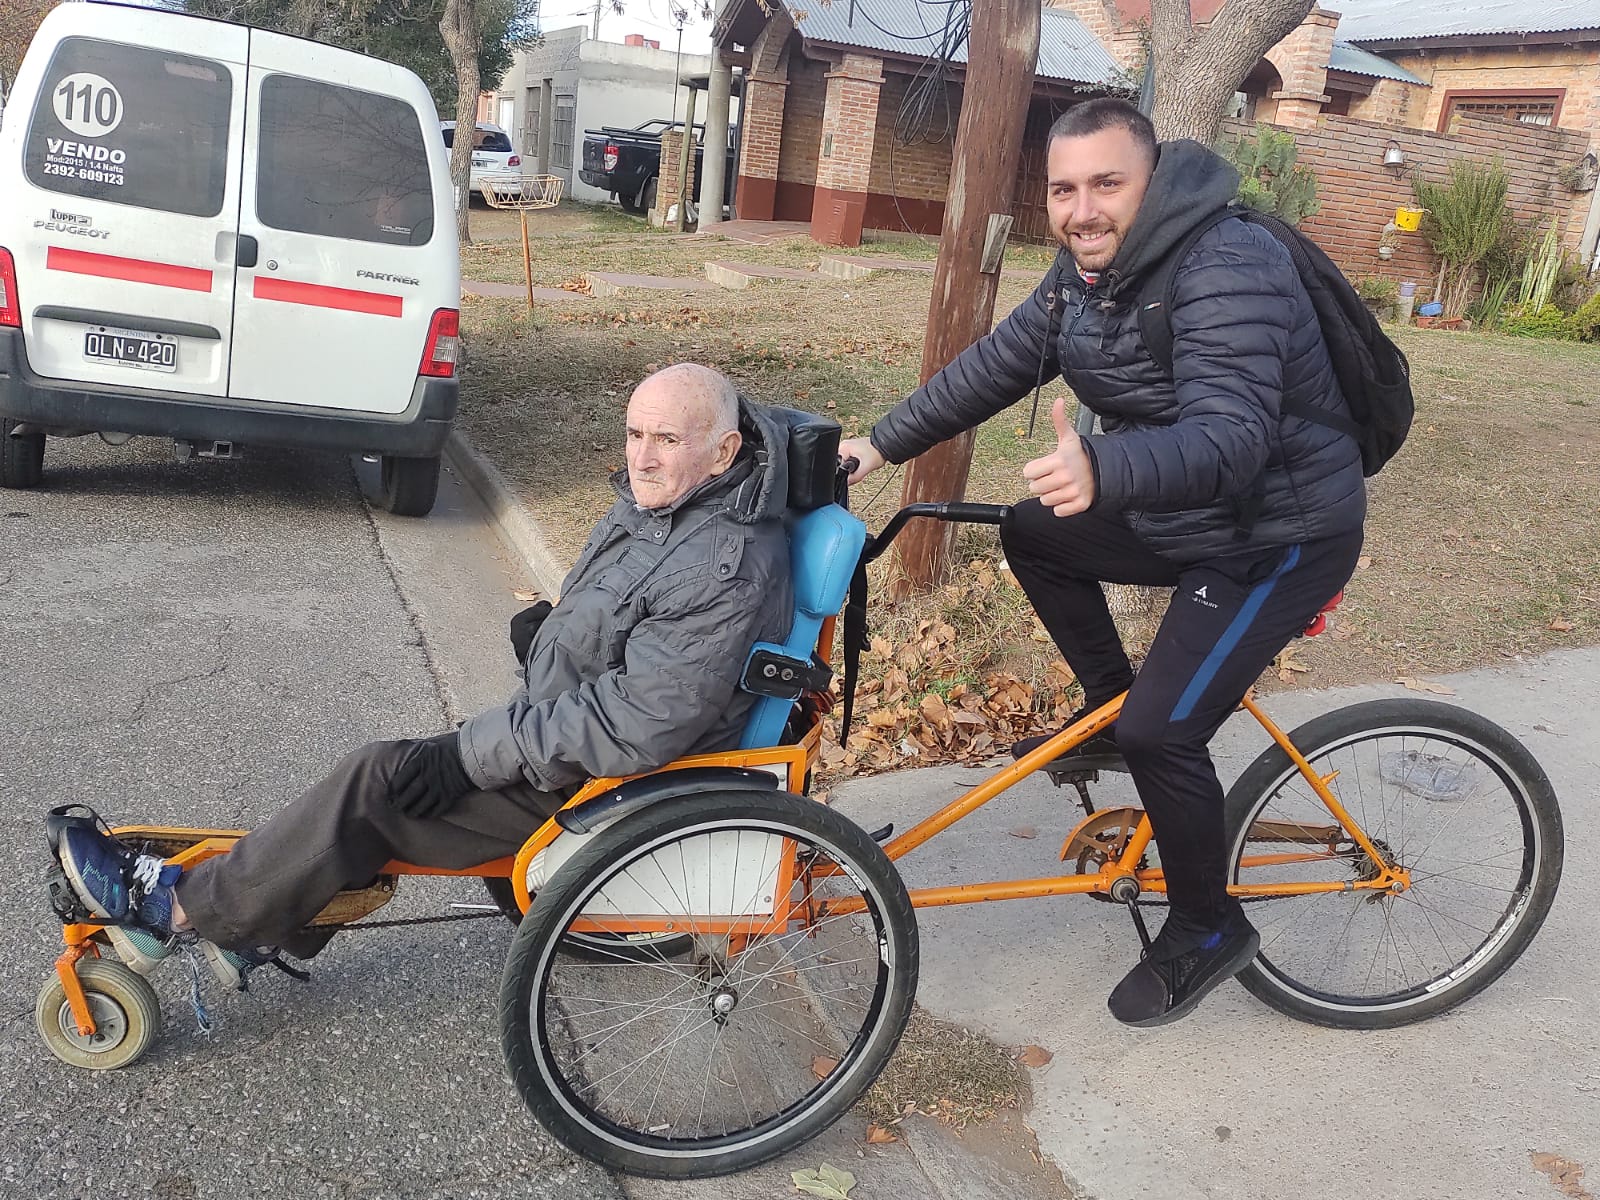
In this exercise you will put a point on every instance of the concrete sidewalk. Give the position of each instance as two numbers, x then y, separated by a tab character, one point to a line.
1239	1101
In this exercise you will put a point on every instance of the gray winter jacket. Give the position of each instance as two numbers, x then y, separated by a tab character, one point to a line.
1179	458
640	661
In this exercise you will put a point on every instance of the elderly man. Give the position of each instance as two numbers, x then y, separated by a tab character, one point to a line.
637	665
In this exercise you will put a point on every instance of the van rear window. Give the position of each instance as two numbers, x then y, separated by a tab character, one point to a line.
342	163
490	140
132	125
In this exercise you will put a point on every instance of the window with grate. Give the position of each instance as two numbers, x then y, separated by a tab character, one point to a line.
561	132
1528	110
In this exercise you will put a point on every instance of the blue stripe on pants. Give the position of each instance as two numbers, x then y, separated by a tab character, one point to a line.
1231	636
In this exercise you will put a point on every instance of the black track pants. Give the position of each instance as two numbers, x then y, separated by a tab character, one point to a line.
1228	618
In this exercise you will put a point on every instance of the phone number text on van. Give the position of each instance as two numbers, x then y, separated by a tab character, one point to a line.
80	160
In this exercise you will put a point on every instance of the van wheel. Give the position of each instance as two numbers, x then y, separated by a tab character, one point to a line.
647	198
21	458
630	204
410	485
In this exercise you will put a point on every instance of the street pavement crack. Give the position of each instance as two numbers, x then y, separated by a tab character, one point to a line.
447	706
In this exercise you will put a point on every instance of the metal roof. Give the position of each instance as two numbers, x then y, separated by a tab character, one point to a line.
1394	20
1355	61
1067	50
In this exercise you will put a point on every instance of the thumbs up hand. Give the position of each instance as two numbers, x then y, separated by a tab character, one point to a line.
1063	480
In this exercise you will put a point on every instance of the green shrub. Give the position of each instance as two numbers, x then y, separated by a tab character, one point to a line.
1585	323
1547	322
1465	224
1269	180
1375	289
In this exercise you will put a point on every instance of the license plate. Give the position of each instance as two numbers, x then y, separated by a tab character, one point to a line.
481	162
146	351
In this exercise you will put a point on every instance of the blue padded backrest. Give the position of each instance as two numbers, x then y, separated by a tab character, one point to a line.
824	547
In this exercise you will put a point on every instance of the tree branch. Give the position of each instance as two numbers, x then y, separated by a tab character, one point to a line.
1171	25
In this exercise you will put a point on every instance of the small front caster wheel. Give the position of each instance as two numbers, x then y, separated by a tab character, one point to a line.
127	1017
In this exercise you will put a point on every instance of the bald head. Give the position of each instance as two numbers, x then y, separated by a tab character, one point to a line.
683	429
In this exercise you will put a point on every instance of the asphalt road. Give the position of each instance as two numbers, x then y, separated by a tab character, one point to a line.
193	644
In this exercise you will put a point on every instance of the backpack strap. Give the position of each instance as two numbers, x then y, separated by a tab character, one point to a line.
1157	295
855	641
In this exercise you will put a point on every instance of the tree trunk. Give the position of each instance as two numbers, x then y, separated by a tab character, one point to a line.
463	40
1004	44
1198	69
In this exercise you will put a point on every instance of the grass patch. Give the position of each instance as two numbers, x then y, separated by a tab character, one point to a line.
945	1072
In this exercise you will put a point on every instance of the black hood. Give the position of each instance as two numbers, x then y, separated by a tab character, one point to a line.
1190	184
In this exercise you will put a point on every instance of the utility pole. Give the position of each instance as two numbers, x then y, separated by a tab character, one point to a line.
1004	43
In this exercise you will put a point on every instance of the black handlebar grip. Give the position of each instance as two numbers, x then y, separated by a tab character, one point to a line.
976	514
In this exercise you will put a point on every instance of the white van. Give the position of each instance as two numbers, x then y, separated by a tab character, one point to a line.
223	236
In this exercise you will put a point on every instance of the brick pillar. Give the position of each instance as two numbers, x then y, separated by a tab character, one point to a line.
761	120
849	127
668	192
1302	63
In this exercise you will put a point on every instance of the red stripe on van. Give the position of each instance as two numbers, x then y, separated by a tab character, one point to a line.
134	270
320	296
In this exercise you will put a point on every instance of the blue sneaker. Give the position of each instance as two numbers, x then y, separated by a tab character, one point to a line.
97	868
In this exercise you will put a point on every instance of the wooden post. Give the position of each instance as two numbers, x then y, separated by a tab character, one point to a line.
527	261
1004	43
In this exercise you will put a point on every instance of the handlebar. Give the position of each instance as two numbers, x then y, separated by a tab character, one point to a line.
949	510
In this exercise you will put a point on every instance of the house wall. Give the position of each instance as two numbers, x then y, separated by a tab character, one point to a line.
1575	68
1359	195
1391	102
611	83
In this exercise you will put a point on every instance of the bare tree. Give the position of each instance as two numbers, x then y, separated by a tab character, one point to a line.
1198	68
19	21
463	38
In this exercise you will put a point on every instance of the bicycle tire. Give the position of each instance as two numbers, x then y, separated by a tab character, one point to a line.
530	1023
1442	762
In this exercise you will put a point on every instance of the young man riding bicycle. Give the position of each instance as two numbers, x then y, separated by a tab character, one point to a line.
1200	481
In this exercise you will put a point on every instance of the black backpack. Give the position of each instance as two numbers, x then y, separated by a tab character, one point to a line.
1373	373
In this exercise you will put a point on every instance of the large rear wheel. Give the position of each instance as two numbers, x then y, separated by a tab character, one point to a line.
1443	793
410	485
755	1041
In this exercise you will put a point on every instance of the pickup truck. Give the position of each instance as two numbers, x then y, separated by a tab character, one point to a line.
626	162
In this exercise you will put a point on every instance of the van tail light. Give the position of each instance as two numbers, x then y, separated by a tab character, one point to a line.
10	306
514	161
613	155
443	348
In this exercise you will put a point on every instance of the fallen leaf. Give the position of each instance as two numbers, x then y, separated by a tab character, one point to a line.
1025	832
1034	1056
826	1181
822	1067
1363	562
830	406
877	1135
1565	1175
1561	625
525	597
1425	685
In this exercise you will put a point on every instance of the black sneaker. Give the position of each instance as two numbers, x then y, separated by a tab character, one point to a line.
1101	745
1182	965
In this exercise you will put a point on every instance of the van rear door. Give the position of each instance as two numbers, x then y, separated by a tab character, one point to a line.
349	250
128	200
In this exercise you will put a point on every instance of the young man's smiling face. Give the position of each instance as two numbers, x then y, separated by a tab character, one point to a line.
1097	183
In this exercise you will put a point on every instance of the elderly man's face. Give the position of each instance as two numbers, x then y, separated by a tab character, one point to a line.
671	449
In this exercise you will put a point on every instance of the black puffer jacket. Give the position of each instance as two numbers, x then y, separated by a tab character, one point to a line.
1179	458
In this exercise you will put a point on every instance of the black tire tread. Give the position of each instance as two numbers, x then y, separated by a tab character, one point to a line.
410	485
21	458
867	858
1339	725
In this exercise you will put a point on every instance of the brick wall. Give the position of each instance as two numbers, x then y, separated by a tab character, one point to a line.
1391	102
1359	194
916	172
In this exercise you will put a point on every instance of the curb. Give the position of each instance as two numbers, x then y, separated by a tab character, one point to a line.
511	521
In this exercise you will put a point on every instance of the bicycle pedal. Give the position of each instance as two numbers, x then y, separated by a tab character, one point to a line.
1082	768
884	834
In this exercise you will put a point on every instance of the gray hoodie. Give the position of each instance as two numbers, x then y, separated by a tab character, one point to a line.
640	661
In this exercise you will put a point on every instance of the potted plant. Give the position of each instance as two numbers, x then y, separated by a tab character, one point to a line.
1380	295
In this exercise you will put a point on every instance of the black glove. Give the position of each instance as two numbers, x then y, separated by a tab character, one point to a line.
431	778
525	626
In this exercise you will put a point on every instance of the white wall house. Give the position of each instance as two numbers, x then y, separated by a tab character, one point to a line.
572	82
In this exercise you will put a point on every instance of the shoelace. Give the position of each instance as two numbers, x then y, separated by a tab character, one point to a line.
146	873
202	1018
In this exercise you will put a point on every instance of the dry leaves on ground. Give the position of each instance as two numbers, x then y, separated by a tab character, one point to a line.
1425	685
877	1135
1034	1056
1564	1174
